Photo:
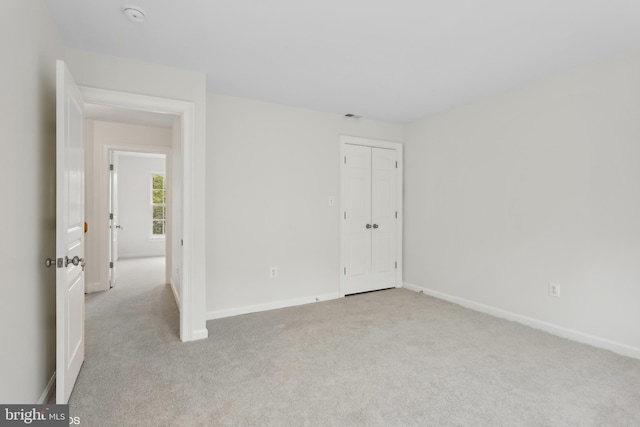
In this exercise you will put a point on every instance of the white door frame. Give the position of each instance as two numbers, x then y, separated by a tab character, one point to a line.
353	140
186	111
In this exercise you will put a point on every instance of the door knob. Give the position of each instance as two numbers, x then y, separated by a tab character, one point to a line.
76	260
120	227
375	225
368	226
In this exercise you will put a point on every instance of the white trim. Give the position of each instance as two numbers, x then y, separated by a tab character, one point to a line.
132	255
616	347
48	390
354	140
175	293
219	314
186	111
200	334
366	142
93	287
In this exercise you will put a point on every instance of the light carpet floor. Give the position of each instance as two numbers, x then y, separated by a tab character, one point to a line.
388	358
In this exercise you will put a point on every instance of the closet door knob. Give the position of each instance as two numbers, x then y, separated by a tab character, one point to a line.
368	226
375	225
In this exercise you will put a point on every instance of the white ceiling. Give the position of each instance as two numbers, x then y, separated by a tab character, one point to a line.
390	60
124	115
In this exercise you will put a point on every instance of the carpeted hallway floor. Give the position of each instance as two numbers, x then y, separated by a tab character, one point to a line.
389	358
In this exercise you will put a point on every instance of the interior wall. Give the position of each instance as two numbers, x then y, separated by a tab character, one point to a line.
537	185
131	76
30	44
99	136
134	206
270	172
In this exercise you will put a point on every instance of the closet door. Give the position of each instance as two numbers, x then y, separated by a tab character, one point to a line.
369	189
383	212
357	216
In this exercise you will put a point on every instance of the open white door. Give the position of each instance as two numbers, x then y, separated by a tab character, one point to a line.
69	234
114	227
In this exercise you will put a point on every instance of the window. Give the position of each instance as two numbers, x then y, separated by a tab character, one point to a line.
158	204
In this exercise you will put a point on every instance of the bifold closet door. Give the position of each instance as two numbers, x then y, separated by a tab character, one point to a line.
369	218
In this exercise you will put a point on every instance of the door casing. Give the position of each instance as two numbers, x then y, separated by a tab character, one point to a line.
352	140
186	112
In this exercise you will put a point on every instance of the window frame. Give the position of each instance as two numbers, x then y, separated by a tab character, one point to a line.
152	235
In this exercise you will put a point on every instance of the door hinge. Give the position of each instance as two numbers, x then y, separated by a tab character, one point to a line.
345	271
396	214
110	216
396	165
110	167
181	242
111	264
396	264
345	215
345	160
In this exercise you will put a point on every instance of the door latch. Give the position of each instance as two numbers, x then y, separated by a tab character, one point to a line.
52	262
76	260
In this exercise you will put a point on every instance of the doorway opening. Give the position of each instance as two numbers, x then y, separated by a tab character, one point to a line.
140	215
104	107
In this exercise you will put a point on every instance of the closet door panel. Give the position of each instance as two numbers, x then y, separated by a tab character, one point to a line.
357	175
383	217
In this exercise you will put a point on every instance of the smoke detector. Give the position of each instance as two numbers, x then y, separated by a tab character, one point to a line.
134	14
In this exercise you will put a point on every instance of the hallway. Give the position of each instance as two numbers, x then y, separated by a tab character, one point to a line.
139	315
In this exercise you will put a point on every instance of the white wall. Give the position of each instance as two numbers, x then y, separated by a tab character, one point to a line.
126	75
134	206
270	171
100	136
30	44
536	185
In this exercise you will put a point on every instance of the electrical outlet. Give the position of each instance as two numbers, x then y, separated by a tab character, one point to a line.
273	272
554	290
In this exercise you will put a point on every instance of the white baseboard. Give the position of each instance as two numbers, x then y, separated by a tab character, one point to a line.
616	347
95	287
219	314
140	255
200	334
48	391
175	293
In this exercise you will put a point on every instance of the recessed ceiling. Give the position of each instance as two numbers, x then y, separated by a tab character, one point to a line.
388	60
